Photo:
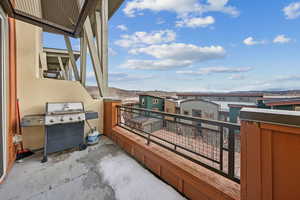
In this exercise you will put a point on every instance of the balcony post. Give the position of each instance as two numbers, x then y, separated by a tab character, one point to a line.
110	115
270	148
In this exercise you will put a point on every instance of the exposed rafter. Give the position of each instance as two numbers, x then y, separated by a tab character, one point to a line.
72	58
62	67
94	54
83	53
104	46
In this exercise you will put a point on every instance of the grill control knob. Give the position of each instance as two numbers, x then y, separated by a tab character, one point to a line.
79	118
51	120
71	118
61	119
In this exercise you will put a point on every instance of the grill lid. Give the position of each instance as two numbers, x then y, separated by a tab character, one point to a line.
64	108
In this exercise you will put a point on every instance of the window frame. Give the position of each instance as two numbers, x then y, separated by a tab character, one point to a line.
3	71
143	101
155	101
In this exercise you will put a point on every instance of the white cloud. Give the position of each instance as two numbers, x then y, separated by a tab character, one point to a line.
155	64
292	11
249	41
122	27
144	38
112	52
237	77
181	7
181	51
214	70
288	78
281	39
195	22
221	6
175	55
120	76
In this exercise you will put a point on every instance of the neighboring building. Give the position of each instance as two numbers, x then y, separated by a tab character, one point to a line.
152	102
230	97
234	111
56	63
279	102
225	109
172	105
131	102
200	108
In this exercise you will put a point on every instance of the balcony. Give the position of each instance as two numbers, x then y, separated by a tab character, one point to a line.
196	158
201	159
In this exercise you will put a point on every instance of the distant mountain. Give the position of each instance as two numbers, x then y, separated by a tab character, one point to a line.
131	94
126	94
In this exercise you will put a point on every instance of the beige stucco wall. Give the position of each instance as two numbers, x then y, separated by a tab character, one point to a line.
170	106
209	110
33	92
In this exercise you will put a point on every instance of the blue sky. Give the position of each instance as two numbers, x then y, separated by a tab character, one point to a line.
202	45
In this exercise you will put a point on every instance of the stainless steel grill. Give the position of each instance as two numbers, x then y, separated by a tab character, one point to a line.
64	125
64	113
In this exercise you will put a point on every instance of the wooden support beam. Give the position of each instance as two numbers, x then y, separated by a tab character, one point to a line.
72	58
83	52
104	47
62	68
71	71
98	21
94	55
68	71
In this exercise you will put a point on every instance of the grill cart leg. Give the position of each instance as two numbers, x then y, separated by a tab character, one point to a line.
82	147
45	157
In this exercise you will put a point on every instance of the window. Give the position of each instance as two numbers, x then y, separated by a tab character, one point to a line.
155	101
197	113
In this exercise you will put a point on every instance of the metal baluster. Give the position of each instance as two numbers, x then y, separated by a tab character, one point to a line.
231	153
221	147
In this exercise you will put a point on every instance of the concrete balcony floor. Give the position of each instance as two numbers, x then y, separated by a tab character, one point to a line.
101	172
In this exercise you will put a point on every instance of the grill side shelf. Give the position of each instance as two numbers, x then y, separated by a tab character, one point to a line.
33	120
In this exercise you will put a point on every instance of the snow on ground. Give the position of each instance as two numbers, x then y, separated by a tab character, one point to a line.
132	182
102	172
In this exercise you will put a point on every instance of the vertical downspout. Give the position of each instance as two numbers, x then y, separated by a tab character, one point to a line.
12	92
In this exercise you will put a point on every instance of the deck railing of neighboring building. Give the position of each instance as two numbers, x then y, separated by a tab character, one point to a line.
212	144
